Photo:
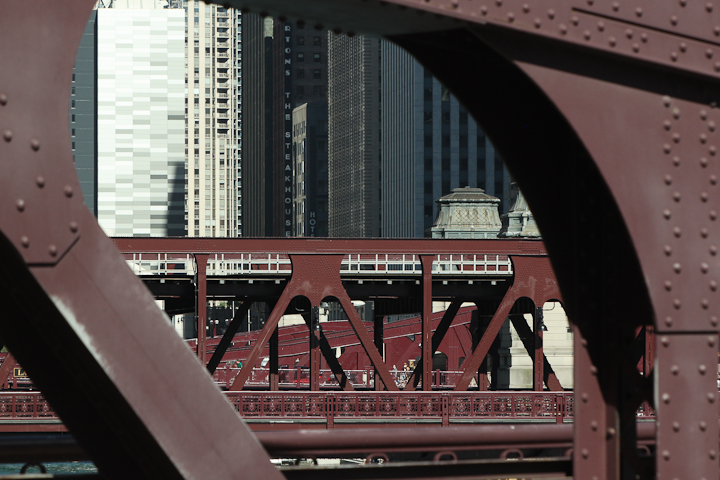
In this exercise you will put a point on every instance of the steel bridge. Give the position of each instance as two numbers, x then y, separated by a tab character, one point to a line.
612	103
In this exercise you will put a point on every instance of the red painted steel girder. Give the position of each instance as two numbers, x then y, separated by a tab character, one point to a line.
327	246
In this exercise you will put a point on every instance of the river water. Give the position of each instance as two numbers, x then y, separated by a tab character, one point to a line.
57	467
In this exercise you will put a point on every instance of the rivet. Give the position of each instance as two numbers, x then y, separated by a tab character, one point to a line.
611	432
683	47
668	321
677	267
674	20
712	454
594	426
711	341
676	196
574	20
319	27
716	31
703	426
717	66
526	8
713	320
7	135
674	56
668	285
52	250
702	369
666	455
583	342
629	33
666	101
616	6
498	3
676	426
20	205
563	28
713	250
712	150
703	138
712	215
585	453
705	303
704	196
511	17
677	304
713	179
25	241
677	232
586	34
35	144
713	285
455	4
73	227
676	161
665	341
711	397
68	191
3	99
551	14
40	181
667	148
590	2
612	41
584	397
676	137
704	232
537	23
709	7
483	10
674	369
711	126
635	47
667	124
638	12
709	53
593	370
601	26
676	113
667	214
703	114
644	37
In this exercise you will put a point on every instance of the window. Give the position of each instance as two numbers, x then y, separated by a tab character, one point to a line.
317	74
316	57
300	40
317	90
72	132
72	103
300	57
300	90
300	73
317	41
72	118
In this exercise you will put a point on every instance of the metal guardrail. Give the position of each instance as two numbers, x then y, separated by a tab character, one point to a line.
230	264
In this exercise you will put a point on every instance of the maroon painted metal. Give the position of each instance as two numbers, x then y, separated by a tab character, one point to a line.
427	351
201	308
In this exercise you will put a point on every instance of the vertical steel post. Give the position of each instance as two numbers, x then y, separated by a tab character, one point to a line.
427	352
539	357
380	344
273	374
315	348
201	303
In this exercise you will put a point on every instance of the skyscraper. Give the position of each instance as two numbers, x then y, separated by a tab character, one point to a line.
285	66
140	119
430	146
354	136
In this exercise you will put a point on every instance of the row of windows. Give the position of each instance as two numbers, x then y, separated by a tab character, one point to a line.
317	90
316	57
316	73
317	41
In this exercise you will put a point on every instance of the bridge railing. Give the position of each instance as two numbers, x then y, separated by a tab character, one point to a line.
238	264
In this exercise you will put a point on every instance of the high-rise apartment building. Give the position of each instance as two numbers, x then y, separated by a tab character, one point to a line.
212	116
354	136
284	66
140	119
430	146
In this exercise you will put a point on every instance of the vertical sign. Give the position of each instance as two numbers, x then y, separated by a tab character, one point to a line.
287	151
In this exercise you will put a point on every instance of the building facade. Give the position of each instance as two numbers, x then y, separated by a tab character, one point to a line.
354	136
140	121
430	146
285	65
310	170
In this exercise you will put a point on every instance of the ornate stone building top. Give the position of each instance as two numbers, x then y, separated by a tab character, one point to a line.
519	221
467	213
